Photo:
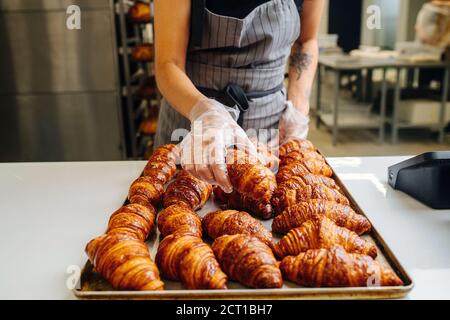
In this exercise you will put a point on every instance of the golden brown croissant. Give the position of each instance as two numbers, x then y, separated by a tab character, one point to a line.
146	191
162	164
300	155
336	268
290	170
134	219
187	190
342	215
140	12
254	184
318	233
314	166
294	190
248	260
143	53
296	145
188	259
179	219
314	179
229	222
124	261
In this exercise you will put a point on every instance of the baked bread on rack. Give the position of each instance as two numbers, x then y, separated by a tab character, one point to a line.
134	219
179	219
321	232
230	222
336	268
140	12
187	190
188	259
342	215
124	261
248	260
143	53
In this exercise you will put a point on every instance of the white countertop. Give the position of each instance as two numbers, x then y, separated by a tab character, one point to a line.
50	211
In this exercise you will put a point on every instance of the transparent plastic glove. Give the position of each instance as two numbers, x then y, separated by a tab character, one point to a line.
293	124
204	149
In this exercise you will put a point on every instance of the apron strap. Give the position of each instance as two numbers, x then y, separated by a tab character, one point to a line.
234	96
197	20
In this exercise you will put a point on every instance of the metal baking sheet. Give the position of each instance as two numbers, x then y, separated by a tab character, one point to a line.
93	286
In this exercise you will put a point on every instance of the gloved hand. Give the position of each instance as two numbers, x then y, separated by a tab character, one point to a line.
204	149
293	124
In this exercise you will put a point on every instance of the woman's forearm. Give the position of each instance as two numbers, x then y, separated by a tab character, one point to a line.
302	69
176	87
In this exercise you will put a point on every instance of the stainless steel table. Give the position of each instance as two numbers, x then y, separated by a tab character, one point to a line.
340	63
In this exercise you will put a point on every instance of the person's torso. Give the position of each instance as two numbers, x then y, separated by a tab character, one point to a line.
251	51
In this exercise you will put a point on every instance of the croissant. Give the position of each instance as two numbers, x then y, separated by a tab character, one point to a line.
301	155
229	222
253	185
140	12
162	164
187	190
314	179
296	145
342	215
295	190
179	219
336	268
134	219
143	53
188	259
146	191
124	261
318	233
314	166
290	170
248	260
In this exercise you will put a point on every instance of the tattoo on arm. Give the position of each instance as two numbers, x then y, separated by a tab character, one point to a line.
300	60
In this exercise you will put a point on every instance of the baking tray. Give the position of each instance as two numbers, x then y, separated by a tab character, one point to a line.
93	286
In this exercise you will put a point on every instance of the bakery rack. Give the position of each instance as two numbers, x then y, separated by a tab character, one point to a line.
140	107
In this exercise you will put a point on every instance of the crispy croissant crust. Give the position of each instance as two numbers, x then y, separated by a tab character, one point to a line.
179	219
187	190
146	191
314	166
230	222
255	184
162	164
296	145
342	215
248	260
300	155
318	233
134	219
188	259
294	190
290	170
140	12
336	268
124	261
314	179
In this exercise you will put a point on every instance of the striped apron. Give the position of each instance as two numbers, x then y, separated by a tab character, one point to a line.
250	53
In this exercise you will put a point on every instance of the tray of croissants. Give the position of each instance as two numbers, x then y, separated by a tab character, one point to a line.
292	233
